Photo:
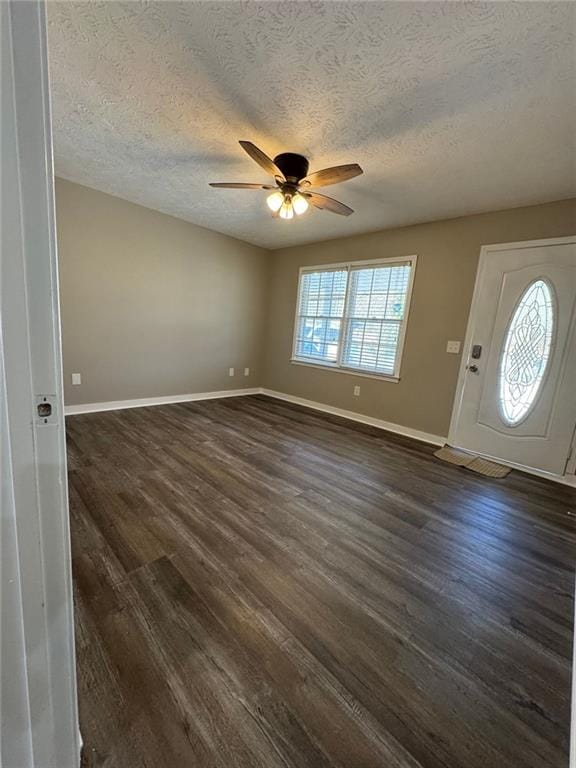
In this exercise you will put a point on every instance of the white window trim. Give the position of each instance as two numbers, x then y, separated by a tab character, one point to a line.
348	265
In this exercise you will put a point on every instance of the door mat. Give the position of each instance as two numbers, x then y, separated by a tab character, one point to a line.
475	463
454	456
488	468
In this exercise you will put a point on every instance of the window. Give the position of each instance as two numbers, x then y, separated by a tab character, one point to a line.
321	298
353	316
526	352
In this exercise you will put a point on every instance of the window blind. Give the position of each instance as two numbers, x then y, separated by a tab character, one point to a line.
376	304
352	316
320	311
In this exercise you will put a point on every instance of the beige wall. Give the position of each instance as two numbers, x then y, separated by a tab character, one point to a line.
152	305
448	254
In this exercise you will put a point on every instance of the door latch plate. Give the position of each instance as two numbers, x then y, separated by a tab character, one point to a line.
45	410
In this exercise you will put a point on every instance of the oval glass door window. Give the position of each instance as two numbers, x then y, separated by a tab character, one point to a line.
526	352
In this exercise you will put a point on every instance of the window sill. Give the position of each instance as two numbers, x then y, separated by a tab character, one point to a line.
350	371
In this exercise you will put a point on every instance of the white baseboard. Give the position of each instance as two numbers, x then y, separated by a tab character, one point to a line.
398	429
389	426
119	405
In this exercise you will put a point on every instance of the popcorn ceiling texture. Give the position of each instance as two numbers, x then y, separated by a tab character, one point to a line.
451	108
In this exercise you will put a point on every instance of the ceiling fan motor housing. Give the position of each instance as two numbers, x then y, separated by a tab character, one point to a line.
294	167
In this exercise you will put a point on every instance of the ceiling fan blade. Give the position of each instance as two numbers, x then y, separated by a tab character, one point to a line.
262	159
237	185
332	175
328	204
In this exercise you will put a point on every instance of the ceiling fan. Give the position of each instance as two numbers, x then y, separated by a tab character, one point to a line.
291	193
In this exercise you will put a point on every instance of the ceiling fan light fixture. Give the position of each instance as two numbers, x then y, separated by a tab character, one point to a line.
274	201
300	204
290	172
286	211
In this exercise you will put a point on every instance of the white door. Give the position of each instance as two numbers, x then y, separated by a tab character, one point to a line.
516	398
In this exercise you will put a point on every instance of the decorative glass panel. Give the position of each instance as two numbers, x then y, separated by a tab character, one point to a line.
526	352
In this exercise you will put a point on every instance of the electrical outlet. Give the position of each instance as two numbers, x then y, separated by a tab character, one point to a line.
357	391
230	371
76	378
453	347
246	371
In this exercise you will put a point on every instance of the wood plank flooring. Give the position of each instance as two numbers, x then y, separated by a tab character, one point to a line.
259	585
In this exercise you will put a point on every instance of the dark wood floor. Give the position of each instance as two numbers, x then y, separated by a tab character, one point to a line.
259	585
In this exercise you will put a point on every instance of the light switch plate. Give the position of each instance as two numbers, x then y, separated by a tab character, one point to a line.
76	378
453	347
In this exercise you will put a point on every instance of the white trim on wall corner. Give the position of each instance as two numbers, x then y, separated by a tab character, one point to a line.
142	402
389	426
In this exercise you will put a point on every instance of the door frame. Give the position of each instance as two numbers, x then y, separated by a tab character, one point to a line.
487	252
38	693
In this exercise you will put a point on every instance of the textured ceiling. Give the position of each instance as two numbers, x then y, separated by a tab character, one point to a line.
450	108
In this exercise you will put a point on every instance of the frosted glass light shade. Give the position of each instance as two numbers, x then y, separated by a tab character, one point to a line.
286	211
300	204
274	201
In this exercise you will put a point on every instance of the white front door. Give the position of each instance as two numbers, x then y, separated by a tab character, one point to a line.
516	398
